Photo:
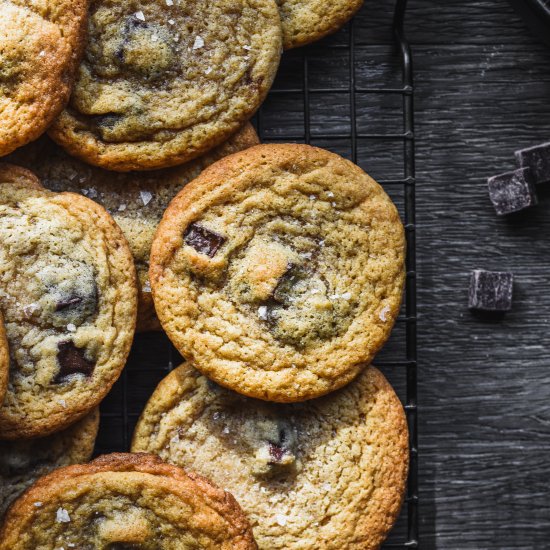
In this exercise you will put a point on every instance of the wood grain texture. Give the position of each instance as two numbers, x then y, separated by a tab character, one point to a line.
482	91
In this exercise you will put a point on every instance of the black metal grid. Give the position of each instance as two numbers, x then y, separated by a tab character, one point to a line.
365	114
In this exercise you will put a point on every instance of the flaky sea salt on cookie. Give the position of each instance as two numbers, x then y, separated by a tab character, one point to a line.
23	461
279	271
162	83
136	200
125	501
69	298
326	474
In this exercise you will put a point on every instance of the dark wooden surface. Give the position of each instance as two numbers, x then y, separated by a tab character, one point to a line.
482	91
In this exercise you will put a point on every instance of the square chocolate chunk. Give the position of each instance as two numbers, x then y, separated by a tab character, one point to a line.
491	290
538	159
512	191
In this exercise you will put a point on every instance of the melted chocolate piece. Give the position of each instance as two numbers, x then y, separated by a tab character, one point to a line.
67	302
72	361
203	240
276	452
293	275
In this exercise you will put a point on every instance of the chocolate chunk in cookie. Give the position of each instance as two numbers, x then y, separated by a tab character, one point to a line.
68	294
297	469
203	240
162	83
304	289
72	361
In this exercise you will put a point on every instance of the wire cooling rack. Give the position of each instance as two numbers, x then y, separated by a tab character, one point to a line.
353	95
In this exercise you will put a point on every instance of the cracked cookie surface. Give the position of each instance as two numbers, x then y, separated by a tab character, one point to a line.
23	461
306	21
279	271
68	294
162	82
329	473
136	200
125	501
40	46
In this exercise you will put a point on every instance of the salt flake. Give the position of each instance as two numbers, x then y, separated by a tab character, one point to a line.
383	314
122	207
30	309
330	194
346	295
38	504
62	516
169	2
63	403
71	327
146	197
262	313
281	519
199	43
139	15
208	70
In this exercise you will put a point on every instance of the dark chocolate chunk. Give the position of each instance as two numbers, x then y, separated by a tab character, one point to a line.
276	452
536	158
72	361
491	290
512	191
65	303
203	240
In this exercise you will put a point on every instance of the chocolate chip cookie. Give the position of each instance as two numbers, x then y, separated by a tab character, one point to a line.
305	21
125	501
136	200
279	271
69	298
4	360
163	82
23	461
10	173
327	473
40	46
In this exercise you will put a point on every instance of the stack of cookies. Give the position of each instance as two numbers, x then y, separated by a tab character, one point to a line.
276	271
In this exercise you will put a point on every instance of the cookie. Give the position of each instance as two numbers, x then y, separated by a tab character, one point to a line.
69	298
125	501
306	21
136	200
10	173
163	82
4	360
22	462
40	46
327	473
279	271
